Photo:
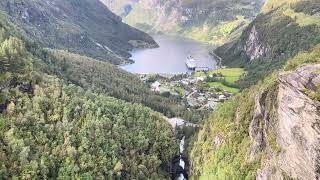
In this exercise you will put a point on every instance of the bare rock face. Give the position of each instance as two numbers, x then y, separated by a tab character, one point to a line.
257	126
297	129
298	123
254	48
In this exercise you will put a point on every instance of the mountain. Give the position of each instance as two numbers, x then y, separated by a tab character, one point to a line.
216	21
120	7
85	27
270	130
282	30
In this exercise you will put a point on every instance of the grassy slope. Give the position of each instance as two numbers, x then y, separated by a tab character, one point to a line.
225	31
229	75
231	121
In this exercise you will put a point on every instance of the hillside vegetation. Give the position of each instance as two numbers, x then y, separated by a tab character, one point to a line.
53	128
258	134
107	79
260	50
215	21
224	146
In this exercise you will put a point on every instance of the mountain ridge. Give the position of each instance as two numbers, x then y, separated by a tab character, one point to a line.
216	21
91	29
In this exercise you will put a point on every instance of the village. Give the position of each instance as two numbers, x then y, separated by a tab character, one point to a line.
201	90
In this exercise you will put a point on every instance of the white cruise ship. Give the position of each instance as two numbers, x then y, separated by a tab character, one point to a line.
191	63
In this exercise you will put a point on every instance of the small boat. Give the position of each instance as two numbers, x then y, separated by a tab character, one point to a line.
191	63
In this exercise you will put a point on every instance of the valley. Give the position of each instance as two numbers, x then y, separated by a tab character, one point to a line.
160	89
164	71
171	56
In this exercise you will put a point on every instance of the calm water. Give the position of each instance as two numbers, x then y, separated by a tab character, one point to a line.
171	56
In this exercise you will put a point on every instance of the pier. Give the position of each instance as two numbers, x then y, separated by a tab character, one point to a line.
202	69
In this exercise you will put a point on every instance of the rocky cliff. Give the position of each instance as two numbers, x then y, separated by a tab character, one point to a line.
296	128
82	26
280	31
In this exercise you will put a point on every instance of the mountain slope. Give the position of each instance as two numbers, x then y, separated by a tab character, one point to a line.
51	128
214	21
269	131
120	7
85	27
107	79
283	29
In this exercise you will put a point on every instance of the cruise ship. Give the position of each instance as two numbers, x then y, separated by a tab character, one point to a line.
191	63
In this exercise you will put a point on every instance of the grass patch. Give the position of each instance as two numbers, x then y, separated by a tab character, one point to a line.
181	91
230	74
224	87
226	79
272	139
301	18
311	57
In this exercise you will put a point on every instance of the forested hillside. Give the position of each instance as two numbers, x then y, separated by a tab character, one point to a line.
82	26
102	77
52	128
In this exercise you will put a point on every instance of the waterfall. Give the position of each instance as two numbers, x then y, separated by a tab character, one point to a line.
182	163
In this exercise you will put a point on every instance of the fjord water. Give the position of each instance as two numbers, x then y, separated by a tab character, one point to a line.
170	57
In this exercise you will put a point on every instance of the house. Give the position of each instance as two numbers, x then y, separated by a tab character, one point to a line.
201	78
156	86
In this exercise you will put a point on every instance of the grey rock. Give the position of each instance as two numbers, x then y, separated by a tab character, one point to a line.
297	128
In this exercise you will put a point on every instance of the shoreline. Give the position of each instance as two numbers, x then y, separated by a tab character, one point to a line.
207	59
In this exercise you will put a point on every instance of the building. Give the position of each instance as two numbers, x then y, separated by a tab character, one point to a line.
156	86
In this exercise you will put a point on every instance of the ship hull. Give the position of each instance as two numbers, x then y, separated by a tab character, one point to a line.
190	67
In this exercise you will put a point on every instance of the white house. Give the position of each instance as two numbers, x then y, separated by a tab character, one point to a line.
156	86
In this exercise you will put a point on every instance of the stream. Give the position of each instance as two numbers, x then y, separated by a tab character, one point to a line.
181	161
180	164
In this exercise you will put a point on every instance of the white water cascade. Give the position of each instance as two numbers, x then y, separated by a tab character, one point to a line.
182	163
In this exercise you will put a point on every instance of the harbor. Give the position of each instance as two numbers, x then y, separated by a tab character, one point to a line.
172	57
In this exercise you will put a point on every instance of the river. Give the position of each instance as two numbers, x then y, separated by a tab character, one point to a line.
170	57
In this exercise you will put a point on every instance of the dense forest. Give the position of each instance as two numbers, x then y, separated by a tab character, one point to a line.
51	128
103	77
